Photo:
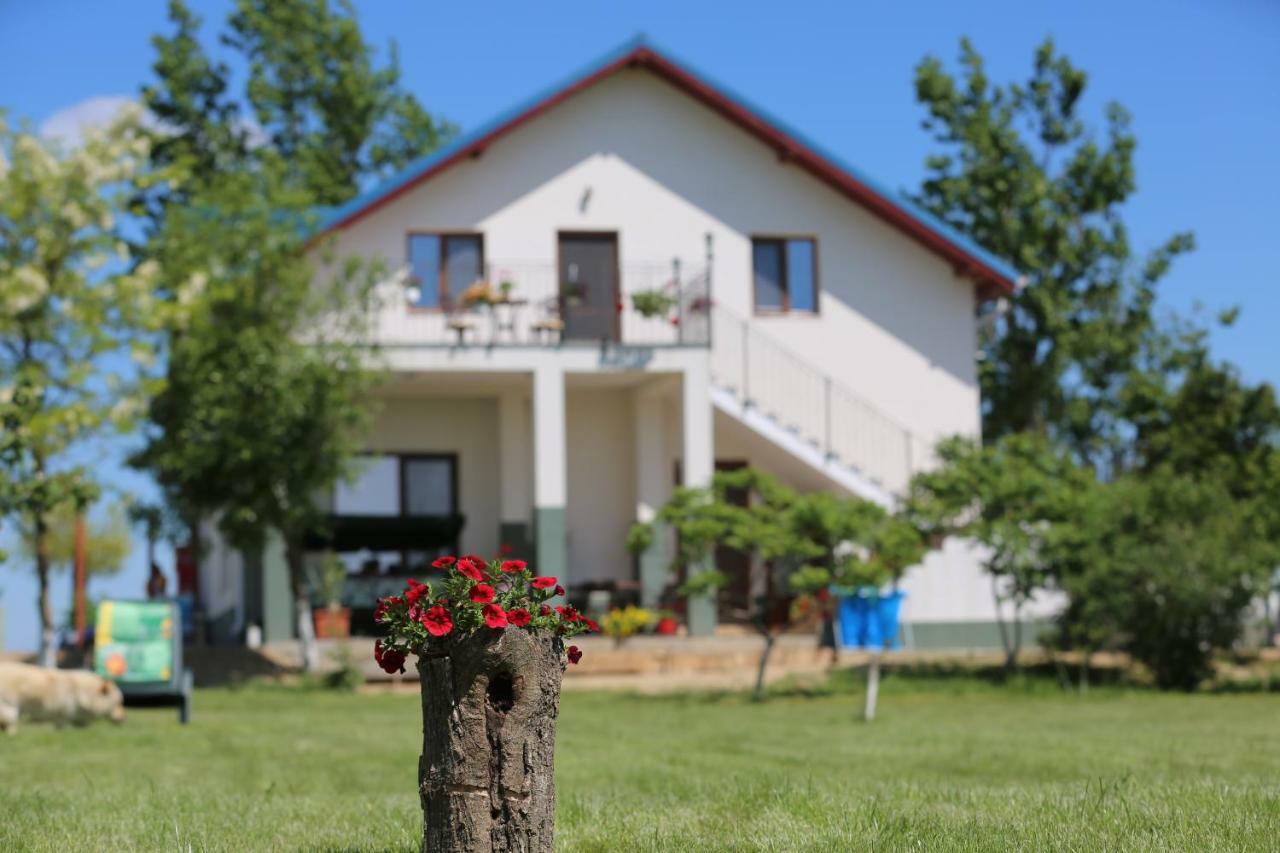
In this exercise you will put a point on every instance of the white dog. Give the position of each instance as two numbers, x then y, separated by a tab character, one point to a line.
61	696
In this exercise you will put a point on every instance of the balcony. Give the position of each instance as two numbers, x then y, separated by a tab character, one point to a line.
542	304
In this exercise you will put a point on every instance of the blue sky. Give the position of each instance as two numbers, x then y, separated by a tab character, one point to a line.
1200	79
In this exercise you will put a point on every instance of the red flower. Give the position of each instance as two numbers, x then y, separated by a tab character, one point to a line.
545	610
478	562
593	625
575	654
437	621
444	562
666	626
542	583
385	604
482	593
415	591
505	550
470	569
519	617
514	566
559	589
390	660
495	616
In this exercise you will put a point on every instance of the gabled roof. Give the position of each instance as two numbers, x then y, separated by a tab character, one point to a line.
991	273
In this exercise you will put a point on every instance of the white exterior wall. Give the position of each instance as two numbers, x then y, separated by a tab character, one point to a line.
467	426
634	155
896	326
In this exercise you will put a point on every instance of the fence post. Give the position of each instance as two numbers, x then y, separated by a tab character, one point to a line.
826	412
680	298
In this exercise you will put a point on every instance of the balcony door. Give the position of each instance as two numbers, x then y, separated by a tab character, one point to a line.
589	290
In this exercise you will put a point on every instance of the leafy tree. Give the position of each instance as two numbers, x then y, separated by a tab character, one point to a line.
69	305
107	540
1021	173
1007	496
1161	566
268	372
808	541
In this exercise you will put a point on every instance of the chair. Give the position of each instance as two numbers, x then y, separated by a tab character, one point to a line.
138	645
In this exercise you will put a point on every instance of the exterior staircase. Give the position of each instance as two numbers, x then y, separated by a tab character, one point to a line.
806	411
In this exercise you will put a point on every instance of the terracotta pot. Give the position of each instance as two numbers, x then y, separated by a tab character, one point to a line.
332	623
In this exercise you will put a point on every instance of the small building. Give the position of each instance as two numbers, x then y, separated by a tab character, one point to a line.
623	284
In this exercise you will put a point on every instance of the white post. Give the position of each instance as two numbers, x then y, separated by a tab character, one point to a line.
698	468
514	466
653	487
550	490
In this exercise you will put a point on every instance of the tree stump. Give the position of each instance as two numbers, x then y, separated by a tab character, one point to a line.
486	775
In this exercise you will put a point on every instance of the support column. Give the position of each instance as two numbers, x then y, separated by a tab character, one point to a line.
698	467
653	488
515	474
550	490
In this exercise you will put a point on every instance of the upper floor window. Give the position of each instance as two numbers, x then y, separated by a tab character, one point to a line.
444	265
785	273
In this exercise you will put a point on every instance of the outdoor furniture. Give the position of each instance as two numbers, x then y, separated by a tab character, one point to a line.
549	327
460	326
138	645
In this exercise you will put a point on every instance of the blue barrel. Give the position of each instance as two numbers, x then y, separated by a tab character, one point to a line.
868	619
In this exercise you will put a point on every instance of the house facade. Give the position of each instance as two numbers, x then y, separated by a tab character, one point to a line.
670	282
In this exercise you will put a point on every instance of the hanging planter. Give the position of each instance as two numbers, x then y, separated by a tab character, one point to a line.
652	303
491	654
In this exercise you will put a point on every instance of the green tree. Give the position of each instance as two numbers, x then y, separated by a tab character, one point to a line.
268	370
1006	496
807	541
70	305
1020	172
107	540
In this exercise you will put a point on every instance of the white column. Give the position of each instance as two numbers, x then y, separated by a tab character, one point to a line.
696	425
550	489
514	463
654	474
515	470
698	467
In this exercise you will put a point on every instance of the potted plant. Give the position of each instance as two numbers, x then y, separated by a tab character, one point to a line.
478	293
623	622
652	303
490	649
333	621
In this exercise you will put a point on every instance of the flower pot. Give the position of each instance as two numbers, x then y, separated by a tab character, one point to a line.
486	775
332	623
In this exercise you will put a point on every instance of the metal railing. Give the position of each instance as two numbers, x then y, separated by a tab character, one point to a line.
817	408
530	306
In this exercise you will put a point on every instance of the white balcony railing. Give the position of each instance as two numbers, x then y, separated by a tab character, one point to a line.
530	306
813	405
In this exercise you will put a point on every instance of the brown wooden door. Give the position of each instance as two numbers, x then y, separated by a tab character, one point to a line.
589	286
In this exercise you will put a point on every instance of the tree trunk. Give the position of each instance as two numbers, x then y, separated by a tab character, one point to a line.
769	639
308	648
873	687
486	776
1000	623
48	656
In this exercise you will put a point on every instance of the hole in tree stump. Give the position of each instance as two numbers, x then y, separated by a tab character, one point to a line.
501	694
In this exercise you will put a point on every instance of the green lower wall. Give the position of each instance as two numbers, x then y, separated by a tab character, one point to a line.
516	536
927	636
550	557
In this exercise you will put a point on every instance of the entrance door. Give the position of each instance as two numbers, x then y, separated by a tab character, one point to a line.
735	599
589	286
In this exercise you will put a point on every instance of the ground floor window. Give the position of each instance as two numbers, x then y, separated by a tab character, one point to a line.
399	484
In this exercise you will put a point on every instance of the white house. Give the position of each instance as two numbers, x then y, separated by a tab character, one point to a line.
811	324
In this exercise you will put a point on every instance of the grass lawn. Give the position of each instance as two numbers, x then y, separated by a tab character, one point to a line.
949	765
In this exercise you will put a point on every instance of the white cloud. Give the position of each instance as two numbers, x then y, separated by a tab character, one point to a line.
68	125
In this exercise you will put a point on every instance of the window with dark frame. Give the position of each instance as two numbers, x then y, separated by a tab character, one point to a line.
444	265
404	484
785	274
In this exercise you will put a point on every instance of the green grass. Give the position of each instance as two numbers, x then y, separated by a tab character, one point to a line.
949	765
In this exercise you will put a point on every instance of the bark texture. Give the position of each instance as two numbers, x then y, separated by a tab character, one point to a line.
486	775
